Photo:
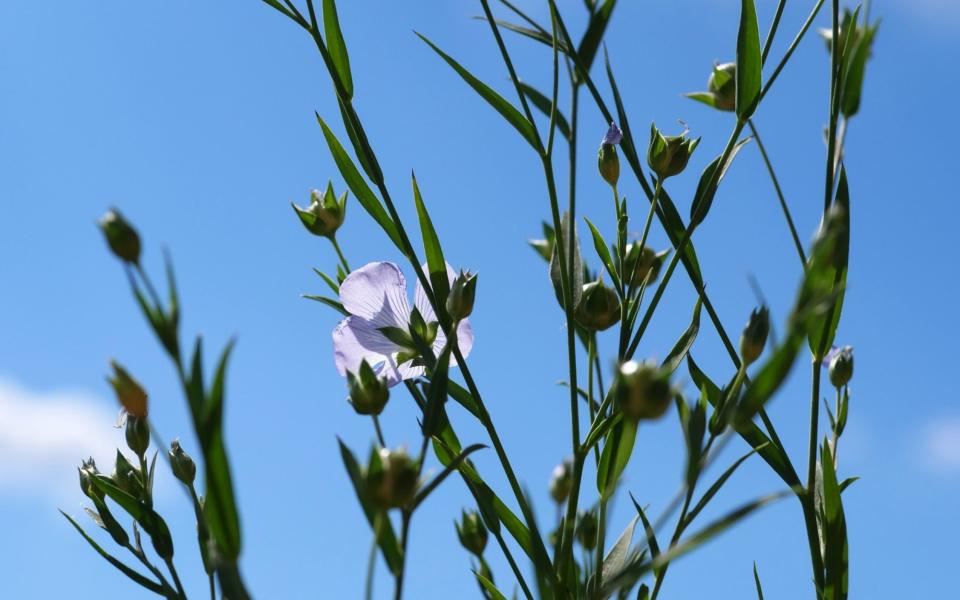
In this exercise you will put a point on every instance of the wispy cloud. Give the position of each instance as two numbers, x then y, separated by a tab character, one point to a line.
44	435
941	444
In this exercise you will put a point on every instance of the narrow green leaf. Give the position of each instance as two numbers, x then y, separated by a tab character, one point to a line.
534	34
616	559
333	285
334	304
136	577
603	252
454	464
434	414
463	398
545	105
358	186
615	456
336	46
506	110
491	589
756	578
704	97
712	491
590	42
651	541
707	187
750	433
683	345
749	61
387	540
835	530
439	280
822	333
575	266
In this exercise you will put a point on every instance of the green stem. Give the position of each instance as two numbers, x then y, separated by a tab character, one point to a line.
372	559
343	260
404	531
813	537
176	578
776	186
376	425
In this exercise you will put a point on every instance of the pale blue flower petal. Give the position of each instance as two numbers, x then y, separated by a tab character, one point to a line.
377	292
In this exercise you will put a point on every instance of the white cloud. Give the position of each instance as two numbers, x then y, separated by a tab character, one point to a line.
45	435
941	444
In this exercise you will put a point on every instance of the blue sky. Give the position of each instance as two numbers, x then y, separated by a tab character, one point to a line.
197	120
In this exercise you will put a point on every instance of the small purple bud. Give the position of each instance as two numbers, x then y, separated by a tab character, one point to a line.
613	137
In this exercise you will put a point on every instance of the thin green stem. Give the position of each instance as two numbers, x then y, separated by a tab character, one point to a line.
591	355
773	31
813	537
176	578
343	260
601	542
776	186
376	426
834	108
513	564
681	247
404	536
790	50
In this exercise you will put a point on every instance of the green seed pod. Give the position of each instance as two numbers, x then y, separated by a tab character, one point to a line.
462	293
122	238
640	262
608	163
87	470
723	85
183	466
472	532
368	392
561	482
754	336
668	155
392	478
137	434
325	214
643	390
599	307
840	366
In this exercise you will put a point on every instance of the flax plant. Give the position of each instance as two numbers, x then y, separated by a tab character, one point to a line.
388	348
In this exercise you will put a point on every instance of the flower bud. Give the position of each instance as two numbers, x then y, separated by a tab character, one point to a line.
129	392
643	390
462	293
121	236
608	163
723	85
472	532
325	214
183	466
392	478
640	262
561	482
668	155
137	434
840	365
87	470
368	392
127	477
754	336
587	527
599	307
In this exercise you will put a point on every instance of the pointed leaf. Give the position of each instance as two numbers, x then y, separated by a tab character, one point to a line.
439	281
358	186
749	62
336	46
506	110
683	345
545	105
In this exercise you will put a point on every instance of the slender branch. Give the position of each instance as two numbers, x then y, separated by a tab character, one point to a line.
776	186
